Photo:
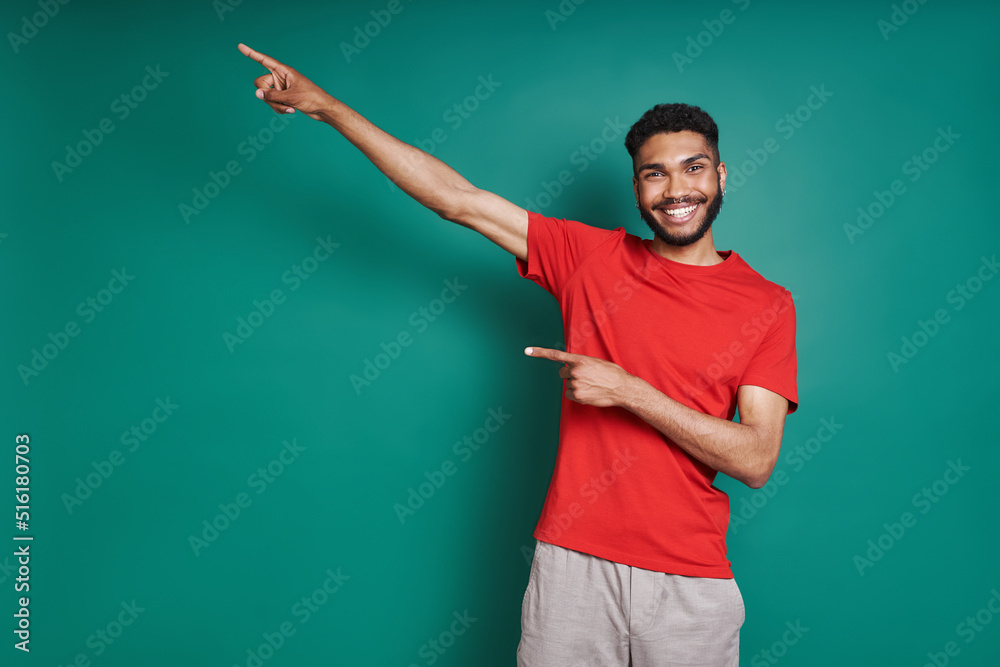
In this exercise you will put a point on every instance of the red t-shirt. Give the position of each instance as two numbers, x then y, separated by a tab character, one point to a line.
621	490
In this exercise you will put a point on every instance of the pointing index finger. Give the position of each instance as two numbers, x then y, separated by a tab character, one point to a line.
265	60
554	355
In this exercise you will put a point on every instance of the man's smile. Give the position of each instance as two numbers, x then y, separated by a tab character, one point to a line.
680	212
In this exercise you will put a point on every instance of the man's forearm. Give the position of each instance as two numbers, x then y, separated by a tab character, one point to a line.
738	450
422	176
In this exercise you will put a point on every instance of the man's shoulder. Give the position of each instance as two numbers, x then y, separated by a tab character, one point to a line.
754	278
574	226
582	234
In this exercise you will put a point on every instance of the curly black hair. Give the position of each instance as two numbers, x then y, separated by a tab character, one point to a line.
674	117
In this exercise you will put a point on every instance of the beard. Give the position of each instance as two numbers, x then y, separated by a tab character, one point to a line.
711	211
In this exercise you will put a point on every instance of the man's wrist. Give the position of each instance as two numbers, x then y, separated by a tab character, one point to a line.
330	110
633	392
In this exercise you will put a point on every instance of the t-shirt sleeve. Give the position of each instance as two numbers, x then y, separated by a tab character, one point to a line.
773	365
556	247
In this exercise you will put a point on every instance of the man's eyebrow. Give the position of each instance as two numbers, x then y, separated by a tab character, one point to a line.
658	166
696	157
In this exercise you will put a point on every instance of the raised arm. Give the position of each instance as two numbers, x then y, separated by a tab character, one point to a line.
422	176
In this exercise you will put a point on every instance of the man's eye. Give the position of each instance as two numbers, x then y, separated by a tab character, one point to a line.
697	166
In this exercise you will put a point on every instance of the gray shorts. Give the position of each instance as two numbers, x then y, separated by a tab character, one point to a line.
582	610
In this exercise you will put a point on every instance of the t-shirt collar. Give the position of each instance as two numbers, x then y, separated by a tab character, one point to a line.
729	258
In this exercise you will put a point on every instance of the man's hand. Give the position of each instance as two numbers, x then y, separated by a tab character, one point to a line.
285	90
589	380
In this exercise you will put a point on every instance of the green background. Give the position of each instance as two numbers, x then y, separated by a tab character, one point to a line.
468	547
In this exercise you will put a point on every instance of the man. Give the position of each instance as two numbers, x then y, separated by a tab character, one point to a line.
666	338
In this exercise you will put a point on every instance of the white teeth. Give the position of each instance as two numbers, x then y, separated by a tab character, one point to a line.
681	212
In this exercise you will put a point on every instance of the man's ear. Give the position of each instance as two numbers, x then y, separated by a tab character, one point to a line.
722	174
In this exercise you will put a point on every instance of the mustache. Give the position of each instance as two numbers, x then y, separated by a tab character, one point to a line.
679	201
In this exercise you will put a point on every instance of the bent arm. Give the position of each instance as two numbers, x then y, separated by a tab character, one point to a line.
432	182
746	451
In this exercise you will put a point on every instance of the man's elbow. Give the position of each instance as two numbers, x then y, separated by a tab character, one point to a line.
455	204
756	481
757	474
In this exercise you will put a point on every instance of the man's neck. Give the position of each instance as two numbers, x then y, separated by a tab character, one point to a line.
700	253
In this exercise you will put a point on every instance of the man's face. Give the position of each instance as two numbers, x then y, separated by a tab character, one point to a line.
675	172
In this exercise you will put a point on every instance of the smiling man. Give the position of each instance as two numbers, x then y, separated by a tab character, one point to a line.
666	338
